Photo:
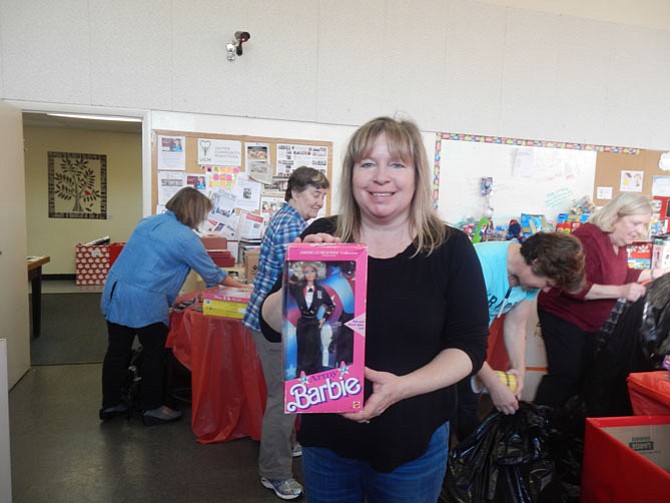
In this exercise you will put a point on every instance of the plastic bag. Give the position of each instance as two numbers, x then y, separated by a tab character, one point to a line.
636	341
654	330
504	460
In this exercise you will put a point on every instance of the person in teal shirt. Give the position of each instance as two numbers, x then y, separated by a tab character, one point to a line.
139	290
514	275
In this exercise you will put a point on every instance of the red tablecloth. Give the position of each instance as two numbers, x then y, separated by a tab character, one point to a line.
228	388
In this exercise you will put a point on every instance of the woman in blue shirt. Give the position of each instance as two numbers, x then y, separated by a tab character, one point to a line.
139	290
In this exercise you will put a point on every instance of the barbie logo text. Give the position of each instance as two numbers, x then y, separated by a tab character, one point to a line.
304	398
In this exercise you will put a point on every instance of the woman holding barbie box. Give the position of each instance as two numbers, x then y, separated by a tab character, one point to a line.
570	322
426	327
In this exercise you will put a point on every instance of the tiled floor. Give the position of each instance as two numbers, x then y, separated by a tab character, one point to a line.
61	452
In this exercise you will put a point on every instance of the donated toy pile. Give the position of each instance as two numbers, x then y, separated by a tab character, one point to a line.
641	254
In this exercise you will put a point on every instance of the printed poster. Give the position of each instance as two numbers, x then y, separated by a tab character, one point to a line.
291	156
631	181
171	155
258	162
219	152
169	183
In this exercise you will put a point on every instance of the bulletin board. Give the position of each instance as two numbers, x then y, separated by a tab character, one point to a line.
243	175
638	172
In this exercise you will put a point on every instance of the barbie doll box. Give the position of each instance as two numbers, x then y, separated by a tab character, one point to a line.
323	330
226	301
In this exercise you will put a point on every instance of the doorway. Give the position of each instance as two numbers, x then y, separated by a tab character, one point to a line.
72	328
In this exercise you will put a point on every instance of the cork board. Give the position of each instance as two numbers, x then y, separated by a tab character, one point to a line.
184	154
614	169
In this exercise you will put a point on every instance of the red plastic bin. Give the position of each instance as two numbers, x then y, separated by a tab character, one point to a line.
650	392
626	460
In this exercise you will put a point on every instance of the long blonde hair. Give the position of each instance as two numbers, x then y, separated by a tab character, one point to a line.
404	142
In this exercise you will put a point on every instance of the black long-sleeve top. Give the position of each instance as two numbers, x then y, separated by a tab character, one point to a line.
416	307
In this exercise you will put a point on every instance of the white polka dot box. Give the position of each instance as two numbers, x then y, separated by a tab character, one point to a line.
91	264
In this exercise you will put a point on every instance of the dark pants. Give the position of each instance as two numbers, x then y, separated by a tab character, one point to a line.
119	350
569	355
467	415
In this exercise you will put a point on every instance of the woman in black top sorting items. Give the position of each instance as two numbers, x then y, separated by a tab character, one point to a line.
426	327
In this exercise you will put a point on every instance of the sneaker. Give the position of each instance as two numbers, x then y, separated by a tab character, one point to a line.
296	452
160	415
111	412
287	489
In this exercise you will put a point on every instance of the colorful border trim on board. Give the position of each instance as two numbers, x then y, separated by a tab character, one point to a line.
501	140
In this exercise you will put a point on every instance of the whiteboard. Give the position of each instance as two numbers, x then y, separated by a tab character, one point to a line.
526	179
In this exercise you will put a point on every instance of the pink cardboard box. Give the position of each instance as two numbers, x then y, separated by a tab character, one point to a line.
323	330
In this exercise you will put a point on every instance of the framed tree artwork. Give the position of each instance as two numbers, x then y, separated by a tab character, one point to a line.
77	185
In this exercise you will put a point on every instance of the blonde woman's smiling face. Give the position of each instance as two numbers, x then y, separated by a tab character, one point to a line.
383	185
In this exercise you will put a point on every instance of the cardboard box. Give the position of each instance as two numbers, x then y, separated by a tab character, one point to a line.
639	254
661	252
626	460
214	242
222	258
251	265
532	224
236	272
568	222
226	301
323	332
192	283
245	246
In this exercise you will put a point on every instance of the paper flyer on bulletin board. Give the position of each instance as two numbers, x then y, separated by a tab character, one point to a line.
247	194
169	183
661	186
258	162
631	181
219	152
290	156
171	153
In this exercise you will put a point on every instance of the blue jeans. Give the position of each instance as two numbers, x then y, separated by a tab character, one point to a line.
330	478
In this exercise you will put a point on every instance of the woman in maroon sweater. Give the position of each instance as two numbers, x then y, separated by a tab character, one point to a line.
570	322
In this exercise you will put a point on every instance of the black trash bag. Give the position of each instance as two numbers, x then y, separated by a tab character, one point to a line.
504	460
655	325
636	342
634	339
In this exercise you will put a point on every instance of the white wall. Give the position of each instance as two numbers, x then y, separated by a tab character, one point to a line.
57	237
452	65
13	270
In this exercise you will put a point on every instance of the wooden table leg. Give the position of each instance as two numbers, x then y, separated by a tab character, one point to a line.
36	285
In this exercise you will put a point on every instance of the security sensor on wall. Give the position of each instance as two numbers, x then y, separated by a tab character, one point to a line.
241	37
235	47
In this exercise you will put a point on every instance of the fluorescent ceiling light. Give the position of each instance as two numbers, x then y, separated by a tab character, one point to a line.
99	117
